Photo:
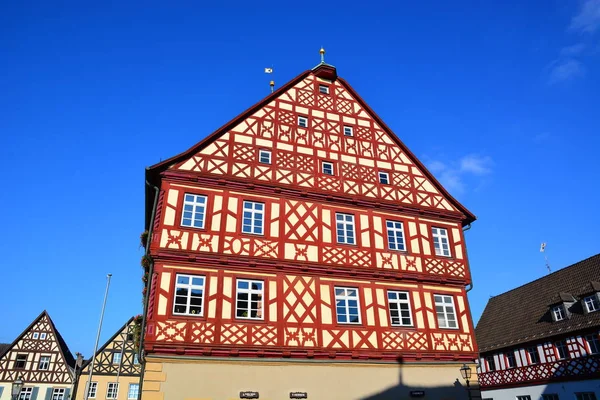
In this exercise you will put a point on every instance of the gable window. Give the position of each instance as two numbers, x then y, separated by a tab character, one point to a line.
591	303
253	217
525	397
112	391
92	390
440	242
20	361
189	295
346	305
345	228
116	358
249	296
561	349
399	308
136	359
43	336
44	363
444	308
534	357
593	343
264	156
194	210
58	394
324	89
348	130
26	393
303	122
585	396
395	234
558	313
510	359
36	335
491	364
550	396
327	168
384	178
134	391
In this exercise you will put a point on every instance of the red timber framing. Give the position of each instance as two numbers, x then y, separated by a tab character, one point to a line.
297	255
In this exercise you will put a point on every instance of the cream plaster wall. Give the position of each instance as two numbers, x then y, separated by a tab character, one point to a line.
42	389
102	387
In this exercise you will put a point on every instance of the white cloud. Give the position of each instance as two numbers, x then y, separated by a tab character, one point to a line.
476	164
587	19
436	166
565	70
573	50
454	175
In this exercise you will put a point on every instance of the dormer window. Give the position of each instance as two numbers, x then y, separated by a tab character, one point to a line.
303	122
348	130
323	89
591	303
558	313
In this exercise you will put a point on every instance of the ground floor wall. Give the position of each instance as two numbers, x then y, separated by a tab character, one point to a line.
39	391
564	390
224	379
102	381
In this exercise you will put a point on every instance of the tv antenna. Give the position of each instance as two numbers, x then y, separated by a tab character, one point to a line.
543	250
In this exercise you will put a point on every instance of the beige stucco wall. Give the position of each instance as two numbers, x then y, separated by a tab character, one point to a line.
42	389
102	386
224	379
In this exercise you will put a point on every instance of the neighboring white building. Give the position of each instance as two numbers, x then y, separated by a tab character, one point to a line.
541	340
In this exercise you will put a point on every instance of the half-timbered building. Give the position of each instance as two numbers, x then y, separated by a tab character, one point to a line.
303	250
116	368
40	358
541	340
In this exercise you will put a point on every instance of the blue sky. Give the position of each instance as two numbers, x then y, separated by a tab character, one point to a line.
499	99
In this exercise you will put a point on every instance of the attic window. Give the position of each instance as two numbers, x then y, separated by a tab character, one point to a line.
491	364
561	349
591	303
348	130
303	122
20	361
327	168
558	313
324	89
264	157
43	336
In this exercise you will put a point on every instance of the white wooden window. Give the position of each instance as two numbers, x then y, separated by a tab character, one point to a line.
534	356
249	299
264	156
347	306
92	390
327	168
348	130
254	215
303	122
510	359
58	394
593	343
384	178
399	305
491	364
561	350
558	313
112	391
36	335
395	234
444	308
440	242
134	391
194	210
549	396
525	397
116	358
44	364
585	396
43	336
324	89
189	295
25	393
591	303
345	228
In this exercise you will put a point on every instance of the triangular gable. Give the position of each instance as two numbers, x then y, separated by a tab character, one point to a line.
297	153
40	338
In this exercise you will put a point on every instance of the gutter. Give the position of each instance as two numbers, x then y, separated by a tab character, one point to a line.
470	285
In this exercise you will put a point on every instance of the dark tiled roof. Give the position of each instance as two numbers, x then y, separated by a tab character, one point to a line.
523	314
3	347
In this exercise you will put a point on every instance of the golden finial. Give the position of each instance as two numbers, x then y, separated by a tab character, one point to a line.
322	52
272	84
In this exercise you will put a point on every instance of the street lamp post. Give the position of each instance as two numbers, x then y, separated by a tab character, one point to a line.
465	371
17	385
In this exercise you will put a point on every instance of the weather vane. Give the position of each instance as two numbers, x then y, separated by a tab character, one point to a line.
322	52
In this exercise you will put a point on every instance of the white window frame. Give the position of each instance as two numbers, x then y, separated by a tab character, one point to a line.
136	395
251	291
532	350
346	298
198	207
92	390
36	335
490	363
266	154
399	307
591	303
58	394
117	358
348	130
593	343
524	397
585	396
114	392
302	122
329	164
447	310
251	207
510	360
46	363
25	394
561	345
136	358
396	233
558	313
43	336
440	237
345	226
326	87
189	287
384	176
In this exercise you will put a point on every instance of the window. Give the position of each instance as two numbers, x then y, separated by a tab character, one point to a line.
112	391
526	397
593	343
303	122
20	361
395	234
189	295
264	156
585	396
561	349
550	396
510	359
136	359
134	391
44	364
346	303
384	178
43	336
440	242
116	358
491	364
25	393
399	308
534	357
591	303
444	308
58	394
327	168
345	228
253	217
249	304
348	130
324	89
36	335
194	207
92	390
558	313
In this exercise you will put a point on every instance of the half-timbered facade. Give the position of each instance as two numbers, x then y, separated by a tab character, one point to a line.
116	368
303	248
41	359
542	340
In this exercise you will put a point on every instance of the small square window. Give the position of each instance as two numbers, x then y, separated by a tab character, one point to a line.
58	394
43	336
324	89
558	313
20	361
591	303
44	363
327	168
348	131
116	359
36	335
384	178
26	393
303	122
264	157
